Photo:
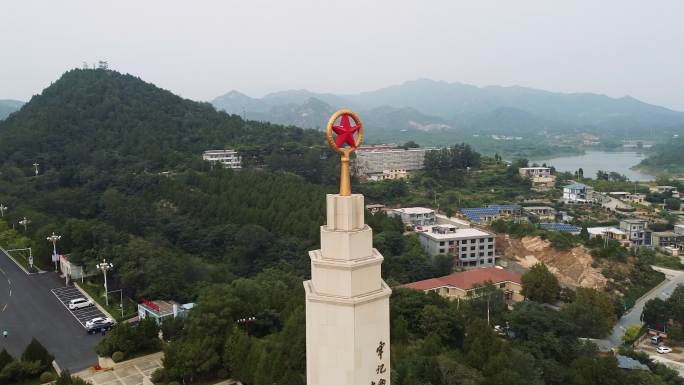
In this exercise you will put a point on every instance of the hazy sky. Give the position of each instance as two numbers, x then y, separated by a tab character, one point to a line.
201	49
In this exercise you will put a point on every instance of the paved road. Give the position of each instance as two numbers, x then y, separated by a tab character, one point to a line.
613	204
633	316
29	309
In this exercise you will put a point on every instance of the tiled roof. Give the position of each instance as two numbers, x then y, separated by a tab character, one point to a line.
466	280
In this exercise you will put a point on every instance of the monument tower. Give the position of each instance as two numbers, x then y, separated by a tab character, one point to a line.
347	302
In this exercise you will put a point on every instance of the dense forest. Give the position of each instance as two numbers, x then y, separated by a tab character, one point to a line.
120	176
666	157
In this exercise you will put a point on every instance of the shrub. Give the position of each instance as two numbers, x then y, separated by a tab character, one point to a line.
46	377
117	356
17	371
37	352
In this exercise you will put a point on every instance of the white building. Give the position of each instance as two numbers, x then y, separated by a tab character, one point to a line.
375	160
577	193
228	158
415	216
470	247
637	231
160	310
388	175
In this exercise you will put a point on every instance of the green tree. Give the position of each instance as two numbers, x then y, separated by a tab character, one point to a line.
631	333
592	313
36	352
5	358
539	284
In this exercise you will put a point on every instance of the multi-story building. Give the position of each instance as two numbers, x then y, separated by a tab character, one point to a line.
529	172
541	177
609	232
388	175
667	238
577	193
417	217
470	247
637	231
227	158
465	285
376	160
679	229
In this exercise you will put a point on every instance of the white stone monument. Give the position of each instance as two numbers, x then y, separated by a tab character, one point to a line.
347	302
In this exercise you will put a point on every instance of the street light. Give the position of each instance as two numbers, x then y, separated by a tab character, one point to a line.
104	266
54	238
2	210
36	164
25	222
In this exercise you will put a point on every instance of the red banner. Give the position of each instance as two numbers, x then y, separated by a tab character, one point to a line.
150	304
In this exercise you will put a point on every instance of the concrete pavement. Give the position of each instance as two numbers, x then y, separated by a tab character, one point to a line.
29	309
673	278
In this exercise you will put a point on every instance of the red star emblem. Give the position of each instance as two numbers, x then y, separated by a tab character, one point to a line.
345	132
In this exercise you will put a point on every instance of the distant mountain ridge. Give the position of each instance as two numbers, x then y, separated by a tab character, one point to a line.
7	106
428	105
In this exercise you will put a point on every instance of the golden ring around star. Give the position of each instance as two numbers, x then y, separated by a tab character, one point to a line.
345	132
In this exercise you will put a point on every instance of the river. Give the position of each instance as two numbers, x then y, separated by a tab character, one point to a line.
592	161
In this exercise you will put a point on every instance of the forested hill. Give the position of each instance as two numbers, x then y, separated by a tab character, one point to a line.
8	106
666	157
107	120
121	176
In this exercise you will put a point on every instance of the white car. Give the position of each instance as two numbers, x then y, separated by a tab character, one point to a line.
99	321
663	349
78	303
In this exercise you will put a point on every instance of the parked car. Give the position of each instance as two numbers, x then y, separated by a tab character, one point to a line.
663	349
79	303
99	324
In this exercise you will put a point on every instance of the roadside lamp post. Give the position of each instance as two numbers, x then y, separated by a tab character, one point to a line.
25	222
54	238
2	209
104	266
36	164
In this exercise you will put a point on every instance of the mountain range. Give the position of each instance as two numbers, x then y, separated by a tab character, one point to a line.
428	106
7	106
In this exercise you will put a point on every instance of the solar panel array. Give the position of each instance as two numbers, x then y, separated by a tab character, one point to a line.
475	214
560	227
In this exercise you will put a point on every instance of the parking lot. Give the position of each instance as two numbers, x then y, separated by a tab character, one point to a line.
66	294
30	309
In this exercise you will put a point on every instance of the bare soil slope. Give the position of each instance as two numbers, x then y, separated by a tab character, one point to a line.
572	267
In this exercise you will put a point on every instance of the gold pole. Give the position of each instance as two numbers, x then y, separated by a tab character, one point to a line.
345	182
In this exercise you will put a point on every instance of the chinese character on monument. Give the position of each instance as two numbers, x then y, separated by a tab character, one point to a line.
347	302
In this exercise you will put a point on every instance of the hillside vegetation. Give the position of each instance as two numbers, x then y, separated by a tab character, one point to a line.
121	178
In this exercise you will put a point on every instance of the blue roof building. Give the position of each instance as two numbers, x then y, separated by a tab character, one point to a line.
491	212
564	227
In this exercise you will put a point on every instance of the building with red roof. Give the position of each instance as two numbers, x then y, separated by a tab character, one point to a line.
464	284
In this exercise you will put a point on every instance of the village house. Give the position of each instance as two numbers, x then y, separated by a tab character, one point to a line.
467	284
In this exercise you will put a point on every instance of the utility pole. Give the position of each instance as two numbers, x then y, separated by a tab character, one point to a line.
25	222
54	238
2	210
36	164
104	266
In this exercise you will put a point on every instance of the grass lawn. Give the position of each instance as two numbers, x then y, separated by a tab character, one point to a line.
96	290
